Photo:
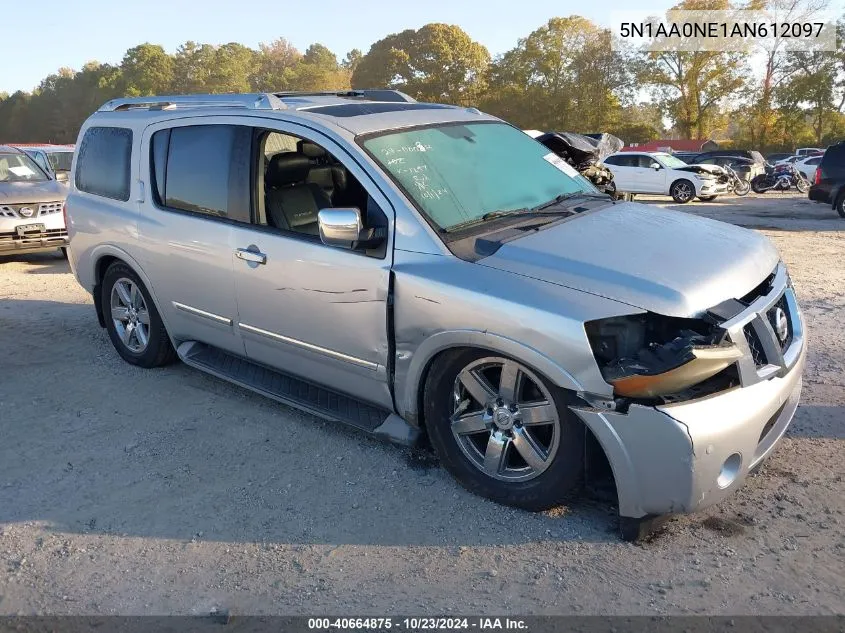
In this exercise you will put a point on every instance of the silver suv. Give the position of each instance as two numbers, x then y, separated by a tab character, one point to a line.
409	267
31	205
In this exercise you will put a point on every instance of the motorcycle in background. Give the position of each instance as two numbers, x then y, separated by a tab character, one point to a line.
780	178
736	184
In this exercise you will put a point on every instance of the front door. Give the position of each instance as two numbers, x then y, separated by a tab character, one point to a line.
308	309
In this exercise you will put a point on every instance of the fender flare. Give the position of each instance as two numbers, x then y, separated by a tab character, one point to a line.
110	250
409	391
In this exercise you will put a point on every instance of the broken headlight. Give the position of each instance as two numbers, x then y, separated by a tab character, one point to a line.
649	355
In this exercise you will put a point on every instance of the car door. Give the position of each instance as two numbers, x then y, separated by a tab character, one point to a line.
652	180
308	309
623	168
185	225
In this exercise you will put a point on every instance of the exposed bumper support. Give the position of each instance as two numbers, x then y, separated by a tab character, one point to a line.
686	456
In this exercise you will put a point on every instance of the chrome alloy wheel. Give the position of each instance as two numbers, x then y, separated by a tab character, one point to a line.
683	192
130	315
504	419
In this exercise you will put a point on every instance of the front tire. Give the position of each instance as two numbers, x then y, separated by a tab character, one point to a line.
503	431
682	191
802	185
132	320
742	187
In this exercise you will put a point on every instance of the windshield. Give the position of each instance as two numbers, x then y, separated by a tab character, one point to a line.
670	161
457	174
19	168
60	161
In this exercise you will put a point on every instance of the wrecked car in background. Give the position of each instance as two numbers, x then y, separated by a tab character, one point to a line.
584	153
663	174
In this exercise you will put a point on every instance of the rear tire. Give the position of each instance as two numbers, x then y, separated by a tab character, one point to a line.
757	184
132	320
63	249
840	205
522	446
682	191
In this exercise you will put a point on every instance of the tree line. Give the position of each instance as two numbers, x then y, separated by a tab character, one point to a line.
563	76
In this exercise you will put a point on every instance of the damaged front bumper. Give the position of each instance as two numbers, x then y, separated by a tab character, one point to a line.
681	457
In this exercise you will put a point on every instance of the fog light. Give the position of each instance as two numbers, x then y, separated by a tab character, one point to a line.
730	470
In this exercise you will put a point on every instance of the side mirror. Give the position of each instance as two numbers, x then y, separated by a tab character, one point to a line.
655	166
342	227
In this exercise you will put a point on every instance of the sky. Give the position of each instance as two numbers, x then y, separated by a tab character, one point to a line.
72	32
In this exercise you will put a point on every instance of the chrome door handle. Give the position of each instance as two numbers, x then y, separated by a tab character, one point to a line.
247	255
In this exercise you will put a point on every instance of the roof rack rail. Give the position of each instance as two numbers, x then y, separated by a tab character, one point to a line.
372	94
252	101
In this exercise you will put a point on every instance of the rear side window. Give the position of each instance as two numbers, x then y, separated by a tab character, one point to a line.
102	167
203	169
833	161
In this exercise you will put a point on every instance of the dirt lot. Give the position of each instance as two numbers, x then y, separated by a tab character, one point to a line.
134	492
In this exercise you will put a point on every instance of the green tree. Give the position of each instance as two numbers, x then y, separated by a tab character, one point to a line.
318	69
437	62
563	76
275	66
691	86
147	70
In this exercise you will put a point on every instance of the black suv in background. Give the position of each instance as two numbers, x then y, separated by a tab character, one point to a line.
829	183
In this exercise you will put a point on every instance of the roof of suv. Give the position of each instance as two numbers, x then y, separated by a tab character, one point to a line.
9	149
358	112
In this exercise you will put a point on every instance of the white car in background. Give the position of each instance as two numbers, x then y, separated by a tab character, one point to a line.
663	174
807	165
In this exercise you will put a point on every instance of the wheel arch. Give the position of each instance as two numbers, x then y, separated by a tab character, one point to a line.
103	258
411	392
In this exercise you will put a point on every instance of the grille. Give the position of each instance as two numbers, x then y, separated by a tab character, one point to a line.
773	321
755	345
46	208
39	209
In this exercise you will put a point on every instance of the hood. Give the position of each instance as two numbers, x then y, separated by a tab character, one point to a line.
705	170
659	260
32	192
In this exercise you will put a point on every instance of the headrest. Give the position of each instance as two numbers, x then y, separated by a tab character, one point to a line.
309	149
287	168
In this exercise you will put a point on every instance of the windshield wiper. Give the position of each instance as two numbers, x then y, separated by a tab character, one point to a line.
538	211
569	196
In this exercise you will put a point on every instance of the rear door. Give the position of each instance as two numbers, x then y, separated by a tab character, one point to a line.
623	168
197	194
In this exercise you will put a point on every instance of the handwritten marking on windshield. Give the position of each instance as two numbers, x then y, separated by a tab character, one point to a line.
405	149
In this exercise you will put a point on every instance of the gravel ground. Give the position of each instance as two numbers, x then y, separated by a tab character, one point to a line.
130	491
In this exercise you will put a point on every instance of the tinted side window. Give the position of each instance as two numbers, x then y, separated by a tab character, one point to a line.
102	167
622	161
207	170
644	161
833	161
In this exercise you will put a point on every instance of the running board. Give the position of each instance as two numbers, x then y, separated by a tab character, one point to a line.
298	393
